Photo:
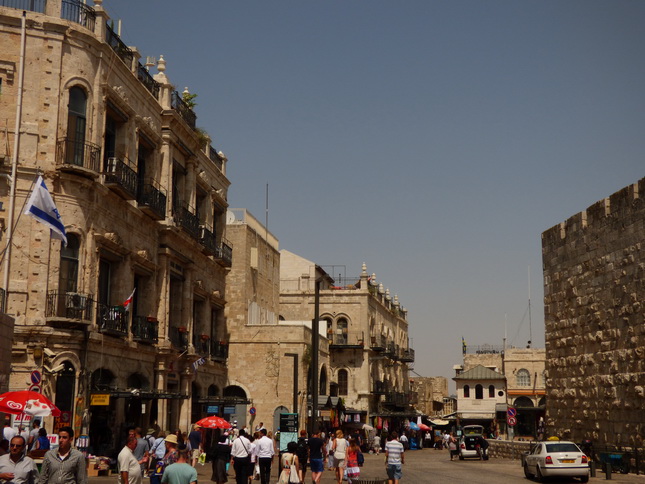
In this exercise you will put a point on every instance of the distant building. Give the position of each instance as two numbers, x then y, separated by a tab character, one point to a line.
480	392
432	393
368	338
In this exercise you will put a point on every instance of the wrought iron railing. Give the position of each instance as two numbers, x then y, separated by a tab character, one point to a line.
178	336
70	305
77	11
396	399
186	219
31	5
122	175
225	253
207	239
219	350
215	158
377	342
112	319
151	198
122	50
379	388
145	329
148	82
390	350
78	153
351	338
407	355
188	115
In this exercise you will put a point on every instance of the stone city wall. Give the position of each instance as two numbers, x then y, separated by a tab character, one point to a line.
594	288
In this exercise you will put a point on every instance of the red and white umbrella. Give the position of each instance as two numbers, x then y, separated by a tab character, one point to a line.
213	423
29	403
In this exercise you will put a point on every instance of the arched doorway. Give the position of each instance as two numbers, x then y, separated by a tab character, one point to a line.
235	411
526	417
276	417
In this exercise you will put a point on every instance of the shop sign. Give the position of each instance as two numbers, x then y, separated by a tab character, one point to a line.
99	399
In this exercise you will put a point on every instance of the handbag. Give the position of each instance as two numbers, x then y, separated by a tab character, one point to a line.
293	473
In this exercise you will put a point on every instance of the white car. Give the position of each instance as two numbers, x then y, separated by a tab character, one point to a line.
556	458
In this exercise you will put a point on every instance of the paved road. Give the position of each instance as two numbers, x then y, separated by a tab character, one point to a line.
429	466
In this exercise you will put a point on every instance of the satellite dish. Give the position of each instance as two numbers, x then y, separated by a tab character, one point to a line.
230	217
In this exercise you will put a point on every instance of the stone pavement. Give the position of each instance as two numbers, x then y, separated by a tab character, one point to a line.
420	459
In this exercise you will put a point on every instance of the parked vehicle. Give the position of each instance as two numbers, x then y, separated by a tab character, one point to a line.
561	459
472	443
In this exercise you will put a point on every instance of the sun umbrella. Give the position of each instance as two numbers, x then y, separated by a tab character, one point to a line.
424	427
413	426
29	403
213	423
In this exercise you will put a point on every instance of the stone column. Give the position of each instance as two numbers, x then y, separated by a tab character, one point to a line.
187	307
160	386
186	380
165	174
190	187
163	311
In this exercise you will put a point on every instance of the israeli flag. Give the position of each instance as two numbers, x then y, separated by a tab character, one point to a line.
41	207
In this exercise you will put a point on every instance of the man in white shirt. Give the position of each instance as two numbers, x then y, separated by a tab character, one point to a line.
241	458
8	432
129	468
265	451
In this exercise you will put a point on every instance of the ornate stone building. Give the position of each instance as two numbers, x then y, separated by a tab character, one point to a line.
269	351
142	194
594	288
367	331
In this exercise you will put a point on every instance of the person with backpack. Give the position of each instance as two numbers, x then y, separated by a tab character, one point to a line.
302	451
353	463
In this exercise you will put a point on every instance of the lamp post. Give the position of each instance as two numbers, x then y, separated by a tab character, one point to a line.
295	380
313	421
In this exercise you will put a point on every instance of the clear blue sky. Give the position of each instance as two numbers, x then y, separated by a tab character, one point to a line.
434	141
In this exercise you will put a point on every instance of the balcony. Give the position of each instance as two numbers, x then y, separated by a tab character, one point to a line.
202	344
78	155
379	388
121	177
122	50
77	11
112	320
30	5
377	343
390	350
407	355
207	239
186	219
219	350
178	336
187	114
151	199
215	158
396	399
343	340
224	253
148	82
71	306
145	329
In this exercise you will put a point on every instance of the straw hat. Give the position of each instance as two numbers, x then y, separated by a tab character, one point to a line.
172	438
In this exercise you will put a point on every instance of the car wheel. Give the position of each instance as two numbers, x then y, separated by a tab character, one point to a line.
527	474
538	474
584	478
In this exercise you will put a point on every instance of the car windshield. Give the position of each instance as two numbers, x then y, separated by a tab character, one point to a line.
473	430
562	448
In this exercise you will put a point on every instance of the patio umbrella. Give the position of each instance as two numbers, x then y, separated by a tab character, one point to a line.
29	403
213	423
413	426
424	427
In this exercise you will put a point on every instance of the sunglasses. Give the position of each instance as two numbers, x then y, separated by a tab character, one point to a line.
16	445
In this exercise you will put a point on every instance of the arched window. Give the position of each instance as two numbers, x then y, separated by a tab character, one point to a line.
68	274
342	382
491	391
213	391
76	124
523	378
341	331
479	392
466	391
323	381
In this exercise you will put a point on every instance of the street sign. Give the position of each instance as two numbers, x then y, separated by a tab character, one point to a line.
512	421
252	410
511	412
36	377
34	388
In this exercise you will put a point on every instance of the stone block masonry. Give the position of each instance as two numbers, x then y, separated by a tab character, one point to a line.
594	292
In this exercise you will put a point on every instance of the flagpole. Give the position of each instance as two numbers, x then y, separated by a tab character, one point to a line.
14	155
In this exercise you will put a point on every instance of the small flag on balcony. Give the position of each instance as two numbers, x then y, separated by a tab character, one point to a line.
128	302
198	363
41	206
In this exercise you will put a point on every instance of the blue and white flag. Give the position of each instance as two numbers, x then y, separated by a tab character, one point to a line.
198	363
41	207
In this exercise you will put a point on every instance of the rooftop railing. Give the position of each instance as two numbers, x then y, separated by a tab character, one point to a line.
30	5
188	115
146	79
122	50
76	11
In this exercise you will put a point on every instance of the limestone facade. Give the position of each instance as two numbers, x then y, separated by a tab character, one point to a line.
262	347
142	194
367	330
432	393
594	288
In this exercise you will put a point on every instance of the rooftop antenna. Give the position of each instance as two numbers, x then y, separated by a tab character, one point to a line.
530	327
